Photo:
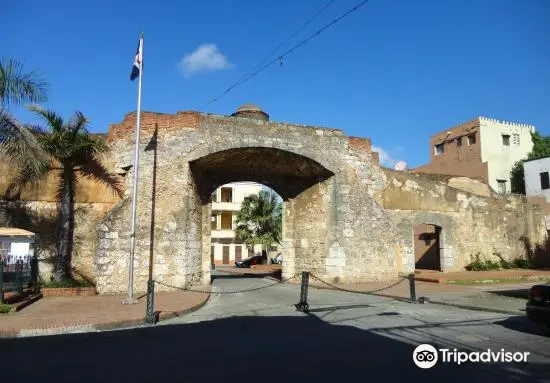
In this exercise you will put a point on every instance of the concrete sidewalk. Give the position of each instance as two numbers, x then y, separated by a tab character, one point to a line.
54	315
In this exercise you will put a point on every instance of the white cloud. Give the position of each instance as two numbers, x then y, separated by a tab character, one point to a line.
385	158
206	58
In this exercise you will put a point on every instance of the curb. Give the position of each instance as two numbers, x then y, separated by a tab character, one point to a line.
121	324
476	308
31	299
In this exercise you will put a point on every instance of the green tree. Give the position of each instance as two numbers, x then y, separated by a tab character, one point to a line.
259	222
66	149
541	148
17	86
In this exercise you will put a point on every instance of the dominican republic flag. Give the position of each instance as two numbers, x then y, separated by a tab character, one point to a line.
138	61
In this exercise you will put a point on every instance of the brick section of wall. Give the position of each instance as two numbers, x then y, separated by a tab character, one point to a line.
360	144
149	120
457	160
68	292
364	145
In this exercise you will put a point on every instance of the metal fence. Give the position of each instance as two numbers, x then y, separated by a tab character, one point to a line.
17	274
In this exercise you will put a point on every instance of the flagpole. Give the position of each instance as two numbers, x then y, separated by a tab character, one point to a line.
131	299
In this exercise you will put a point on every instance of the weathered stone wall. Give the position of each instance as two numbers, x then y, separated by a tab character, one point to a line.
485	223
324	219
345	218
40	218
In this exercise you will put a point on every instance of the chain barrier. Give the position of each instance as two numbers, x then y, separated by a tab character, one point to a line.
371	292
206	291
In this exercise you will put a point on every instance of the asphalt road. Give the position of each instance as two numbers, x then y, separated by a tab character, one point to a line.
258	336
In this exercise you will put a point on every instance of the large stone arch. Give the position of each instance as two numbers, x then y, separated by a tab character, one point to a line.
333	225
297	179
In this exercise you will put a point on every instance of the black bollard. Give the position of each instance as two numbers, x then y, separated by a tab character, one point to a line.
412	288
303	306
19	276
1	280
150	314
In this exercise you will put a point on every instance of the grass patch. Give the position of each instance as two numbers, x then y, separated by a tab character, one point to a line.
4	308
67	283
496	281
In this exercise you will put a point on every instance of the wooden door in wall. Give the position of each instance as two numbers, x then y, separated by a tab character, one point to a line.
238	253
226	255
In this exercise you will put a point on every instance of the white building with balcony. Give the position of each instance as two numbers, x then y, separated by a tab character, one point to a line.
226	202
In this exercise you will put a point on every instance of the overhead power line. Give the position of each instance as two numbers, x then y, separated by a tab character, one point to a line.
301	28
279	58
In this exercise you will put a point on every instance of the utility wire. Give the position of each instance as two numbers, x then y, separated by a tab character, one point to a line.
301	28
286	53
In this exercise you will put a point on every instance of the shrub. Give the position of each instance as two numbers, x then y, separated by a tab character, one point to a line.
522	263
4	308
477	264
503	263
64	283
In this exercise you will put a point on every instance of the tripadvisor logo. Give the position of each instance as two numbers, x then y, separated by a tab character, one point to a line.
426	356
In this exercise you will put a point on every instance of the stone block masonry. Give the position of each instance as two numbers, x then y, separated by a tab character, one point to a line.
344	217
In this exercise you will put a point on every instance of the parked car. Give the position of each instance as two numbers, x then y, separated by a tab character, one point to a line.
254	260
538	304
278	259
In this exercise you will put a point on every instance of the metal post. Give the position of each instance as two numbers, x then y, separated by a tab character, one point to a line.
131	299
149	314
303	306
412	288
19	273
1	280
34	274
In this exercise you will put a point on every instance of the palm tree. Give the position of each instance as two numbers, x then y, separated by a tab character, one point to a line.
260	220
66	149
18	87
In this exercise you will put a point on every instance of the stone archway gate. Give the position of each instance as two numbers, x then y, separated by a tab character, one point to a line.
331	223
345	218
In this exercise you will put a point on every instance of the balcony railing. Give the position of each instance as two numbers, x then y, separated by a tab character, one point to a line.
224	233
226	206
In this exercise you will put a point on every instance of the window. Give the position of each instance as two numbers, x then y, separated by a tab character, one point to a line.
544	181
459	141
471	139
506	139
227	195
213	196
515	138
226	221
214	223
439	149
501	186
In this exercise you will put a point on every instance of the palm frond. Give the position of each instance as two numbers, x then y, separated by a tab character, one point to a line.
94	170
78	123
23	146
50	117
17	87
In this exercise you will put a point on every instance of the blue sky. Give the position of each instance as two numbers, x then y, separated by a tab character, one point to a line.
395	71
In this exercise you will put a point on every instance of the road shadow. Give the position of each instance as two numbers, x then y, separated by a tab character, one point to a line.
227	275
514	293
524	324
242	349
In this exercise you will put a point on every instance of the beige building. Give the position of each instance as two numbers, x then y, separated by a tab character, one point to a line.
483	148
226	202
